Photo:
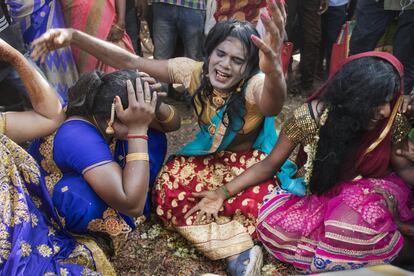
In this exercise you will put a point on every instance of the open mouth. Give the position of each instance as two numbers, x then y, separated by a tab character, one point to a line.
221	76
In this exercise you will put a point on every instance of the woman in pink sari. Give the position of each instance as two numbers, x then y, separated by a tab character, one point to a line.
104	19
339	220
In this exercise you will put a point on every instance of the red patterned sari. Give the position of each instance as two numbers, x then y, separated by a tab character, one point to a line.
233	232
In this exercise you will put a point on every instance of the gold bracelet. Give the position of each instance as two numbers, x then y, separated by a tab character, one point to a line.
170	117
137	156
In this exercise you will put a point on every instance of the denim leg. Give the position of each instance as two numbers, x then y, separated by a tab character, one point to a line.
165	30
404	47
332	21
371	23
191	29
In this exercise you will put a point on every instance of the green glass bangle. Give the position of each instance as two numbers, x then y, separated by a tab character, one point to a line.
411	135
226	192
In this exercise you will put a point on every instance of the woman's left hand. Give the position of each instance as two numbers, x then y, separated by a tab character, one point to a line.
208	206
391	202
274	19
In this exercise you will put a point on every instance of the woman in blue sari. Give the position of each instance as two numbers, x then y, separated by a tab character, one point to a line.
239	83
31	242
91	178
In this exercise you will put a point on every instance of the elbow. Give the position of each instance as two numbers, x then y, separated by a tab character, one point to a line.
134	210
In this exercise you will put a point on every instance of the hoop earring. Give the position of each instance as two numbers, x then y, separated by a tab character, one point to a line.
109	129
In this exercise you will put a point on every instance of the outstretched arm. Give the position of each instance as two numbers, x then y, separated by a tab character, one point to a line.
273	94
47	112
212	201
105	51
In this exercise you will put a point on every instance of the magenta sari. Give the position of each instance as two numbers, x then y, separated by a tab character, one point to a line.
350	226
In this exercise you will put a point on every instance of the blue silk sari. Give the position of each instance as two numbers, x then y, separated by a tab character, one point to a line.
74	149
35	17
32	243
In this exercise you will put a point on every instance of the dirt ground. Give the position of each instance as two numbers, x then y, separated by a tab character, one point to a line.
153	250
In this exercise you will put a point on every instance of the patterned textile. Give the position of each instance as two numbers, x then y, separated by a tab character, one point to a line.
35	18
246	10
81	210
29	243
95	18
348	228
234	231
192	4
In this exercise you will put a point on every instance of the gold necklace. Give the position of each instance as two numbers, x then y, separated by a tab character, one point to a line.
219	98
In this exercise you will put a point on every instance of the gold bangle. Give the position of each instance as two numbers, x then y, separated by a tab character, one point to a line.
137	156
170	117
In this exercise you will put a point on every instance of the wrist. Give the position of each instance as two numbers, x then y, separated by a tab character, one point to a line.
138	130
223	193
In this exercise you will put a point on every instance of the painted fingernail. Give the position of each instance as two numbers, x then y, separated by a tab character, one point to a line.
254	38
264	15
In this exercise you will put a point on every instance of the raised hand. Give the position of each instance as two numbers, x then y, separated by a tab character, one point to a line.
208	206
49	41
141	107
274	20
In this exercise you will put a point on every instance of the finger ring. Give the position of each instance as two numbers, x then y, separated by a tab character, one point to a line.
390	197
147	101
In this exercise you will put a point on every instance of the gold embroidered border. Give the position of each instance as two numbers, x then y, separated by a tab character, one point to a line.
48	164
361	253
111	223
103	265
371	241
352	227
2	123
218	241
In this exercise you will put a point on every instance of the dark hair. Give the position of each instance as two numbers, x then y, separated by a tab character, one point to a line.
94	93
219	33
352	97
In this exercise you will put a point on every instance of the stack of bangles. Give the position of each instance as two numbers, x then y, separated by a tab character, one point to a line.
137	156
170	116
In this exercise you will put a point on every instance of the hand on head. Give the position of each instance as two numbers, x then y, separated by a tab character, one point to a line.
49	41
141	107
274	20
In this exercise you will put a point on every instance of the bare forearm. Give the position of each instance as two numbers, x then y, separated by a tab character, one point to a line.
105	51
117	57
274	93
42	95
136	178
265	169
256	174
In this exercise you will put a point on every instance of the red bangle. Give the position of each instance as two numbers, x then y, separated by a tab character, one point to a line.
145	137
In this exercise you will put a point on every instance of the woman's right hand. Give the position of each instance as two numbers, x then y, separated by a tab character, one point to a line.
141	107
50	41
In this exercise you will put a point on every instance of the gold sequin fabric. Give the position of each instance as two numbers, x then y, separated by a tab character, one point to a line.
301	128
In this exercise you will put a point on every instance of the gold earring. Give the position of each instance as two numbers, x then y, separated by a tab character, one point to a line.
109	129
